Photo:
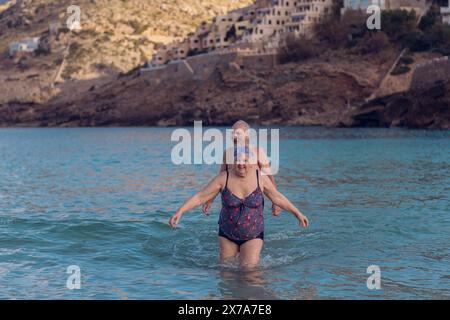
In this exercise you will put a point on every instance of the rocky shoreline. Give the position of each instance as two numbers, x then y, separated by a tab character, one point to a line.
426	108
326	92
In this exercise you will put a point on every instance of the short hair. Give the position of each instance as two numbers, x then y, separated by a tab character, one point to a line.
241	123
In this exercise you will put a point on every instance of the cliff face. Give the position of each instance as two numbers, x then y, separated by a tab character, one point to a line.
423	108
317	92
329	91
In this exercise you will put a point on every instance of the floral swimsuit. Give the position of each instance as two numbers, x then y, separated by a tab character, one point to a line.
242	219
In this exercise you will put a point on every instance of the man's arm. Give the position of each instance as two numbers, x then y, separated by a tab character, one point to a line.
264	166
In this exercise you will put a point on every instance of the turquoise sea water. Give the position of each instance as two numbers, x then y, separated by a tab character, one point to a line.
101	198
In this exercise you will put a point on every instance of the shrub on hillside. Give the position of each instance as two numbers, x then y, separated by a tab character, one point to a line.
297	49
342	32
406	60
138	27
416	41
440	36
430	19
400	70
435	38
398	23
373	42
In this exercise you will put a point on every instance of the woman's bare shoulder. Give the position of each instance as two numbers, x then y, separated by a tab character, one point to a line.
264	180
221	178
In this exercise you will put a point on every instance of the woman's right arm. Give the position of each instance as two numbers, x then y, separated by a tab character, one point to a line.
207	193
223	168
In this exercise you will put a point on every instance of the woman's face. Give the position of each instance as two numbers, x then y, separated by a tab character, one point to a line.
241	164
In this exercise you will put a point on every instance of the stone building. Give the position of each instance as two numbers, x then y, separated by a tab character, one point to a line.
308	13
265	21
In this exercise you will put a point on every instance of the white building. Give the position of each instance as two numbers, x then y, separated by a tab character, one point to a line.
262	25
445	13
417	5
362	4
24	45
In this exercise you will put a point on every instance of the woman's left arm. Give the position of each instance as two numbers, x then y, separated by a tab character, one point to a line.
280	200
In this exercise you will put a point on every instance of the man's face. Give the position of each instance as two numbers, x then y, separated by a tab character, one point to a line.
239	135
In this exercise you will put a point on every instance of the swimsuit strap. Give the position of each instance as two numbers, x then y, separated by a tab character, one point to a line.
226	183
257	177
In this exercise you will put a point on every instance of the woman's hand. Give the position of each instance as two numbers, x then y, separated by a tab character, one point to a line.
175	219
206	207
303	221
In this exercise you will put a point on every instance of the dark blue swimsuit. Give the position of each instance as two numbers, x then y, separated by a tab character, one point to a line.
242	219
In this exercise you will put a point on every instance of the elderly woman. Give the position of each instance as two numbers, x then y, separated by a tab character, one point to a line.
241	222
241	137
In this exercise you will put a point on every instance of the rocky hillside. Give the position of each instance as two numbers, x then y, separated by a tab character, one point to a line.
115	33
291	93
115	36
91	77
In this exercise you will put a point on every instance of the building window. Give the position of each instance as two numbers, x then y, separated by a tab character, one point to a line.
261	31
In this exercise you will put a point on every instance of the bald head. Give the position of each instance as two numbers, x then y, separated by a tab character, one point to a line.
241	124
240	131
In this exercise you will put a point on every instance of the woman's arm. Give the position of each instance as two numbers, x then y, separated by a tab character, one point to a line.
223	168
280	200
207	193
